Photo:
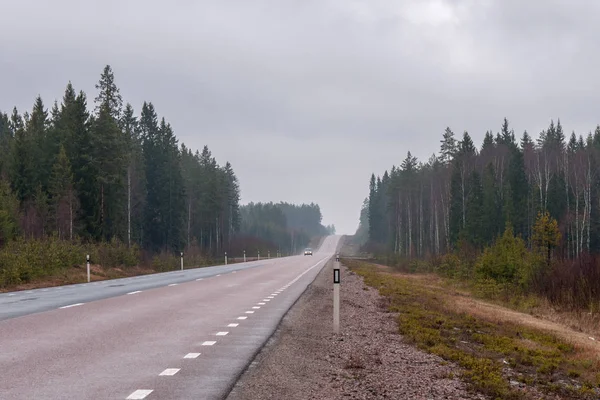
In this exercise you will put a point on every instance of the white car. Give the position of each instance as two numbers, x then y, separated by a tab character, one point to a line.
308	251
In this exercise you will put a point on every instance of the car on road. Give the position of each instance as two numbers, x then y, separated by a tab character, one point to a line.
308	251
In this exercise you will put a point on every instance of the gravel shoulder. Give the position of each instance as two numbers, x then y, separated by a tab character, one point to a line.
367	360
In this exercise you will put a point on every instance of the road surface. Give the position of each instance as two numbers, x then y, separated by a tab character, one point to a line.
167	336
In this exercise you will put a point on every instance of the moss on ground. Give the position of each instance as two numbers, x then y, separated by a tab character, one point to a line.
494	356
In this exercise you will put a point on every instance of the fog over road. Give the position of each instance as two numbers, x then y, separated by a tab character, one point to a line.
177	335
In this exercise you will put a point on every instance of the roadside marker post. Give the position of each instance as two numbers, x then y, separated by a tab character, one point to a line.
87	258
269	255
244	255
182	260
225	258
336	295
259	255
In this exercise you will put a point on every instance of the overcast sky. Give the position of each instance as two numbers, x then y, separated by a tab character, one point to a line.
306	98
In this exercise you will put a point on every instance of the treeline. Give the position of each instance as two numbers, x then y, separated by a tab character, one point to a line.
513	216
283	226
104	173
470	195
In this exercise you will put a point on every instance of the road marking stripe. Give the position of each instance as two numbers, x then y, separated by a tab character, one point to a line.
173	284
218	275
249	312
266	299
169	372
11	294
139	394
209	343
242	317
222	333
191	355
137	291
199	279
72	305
261	304
232	325
270	297
256	307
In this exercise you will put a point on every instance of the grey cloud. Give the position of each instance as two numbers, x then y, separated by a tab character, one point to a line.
307	98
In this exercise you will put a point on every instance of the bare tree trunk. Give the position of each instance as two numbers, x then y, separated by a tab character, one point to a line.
102	209
71	215
129	206
189	224
409	216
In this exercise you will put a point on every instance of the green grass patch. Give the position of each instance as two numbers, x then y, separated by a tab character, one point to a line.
491	354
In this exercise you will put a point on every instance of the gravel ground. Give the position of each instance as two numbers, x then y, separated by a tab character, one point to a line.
368	360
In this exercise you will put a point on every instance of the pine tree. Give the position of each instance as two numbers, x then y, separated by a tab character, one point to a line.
62	201
109	97
526	141
448	148
474	232
492	206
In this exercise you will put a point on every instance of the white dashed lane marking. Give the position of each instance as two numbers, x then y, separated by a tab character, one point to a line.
232	325
136	292
242	317
249	312
261	304
256	307
209	343
169	372
191	355
222	333
173	284
199	279
72	305
139	394
266	299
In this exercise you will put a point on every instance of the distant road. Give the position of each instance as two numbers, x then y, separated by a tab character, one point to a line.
177	335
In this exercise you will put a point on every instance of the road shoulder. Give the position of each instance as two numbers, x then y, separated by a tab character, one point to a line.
368	360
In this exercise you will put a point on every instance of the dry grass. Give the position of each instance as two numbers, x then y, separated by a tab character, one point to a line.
496	347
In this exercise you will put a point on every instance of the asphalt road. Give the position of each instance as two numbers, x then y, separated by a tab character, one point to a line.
179	335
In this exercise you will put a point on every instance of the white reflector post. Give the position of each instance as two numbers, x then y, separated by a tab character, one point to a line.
336	299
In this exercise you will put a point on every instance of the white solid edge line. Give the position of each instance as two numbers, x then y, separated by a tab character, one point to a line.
139	394
72	305
136	292
192	355
169	372
232	325
209	343
222	333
